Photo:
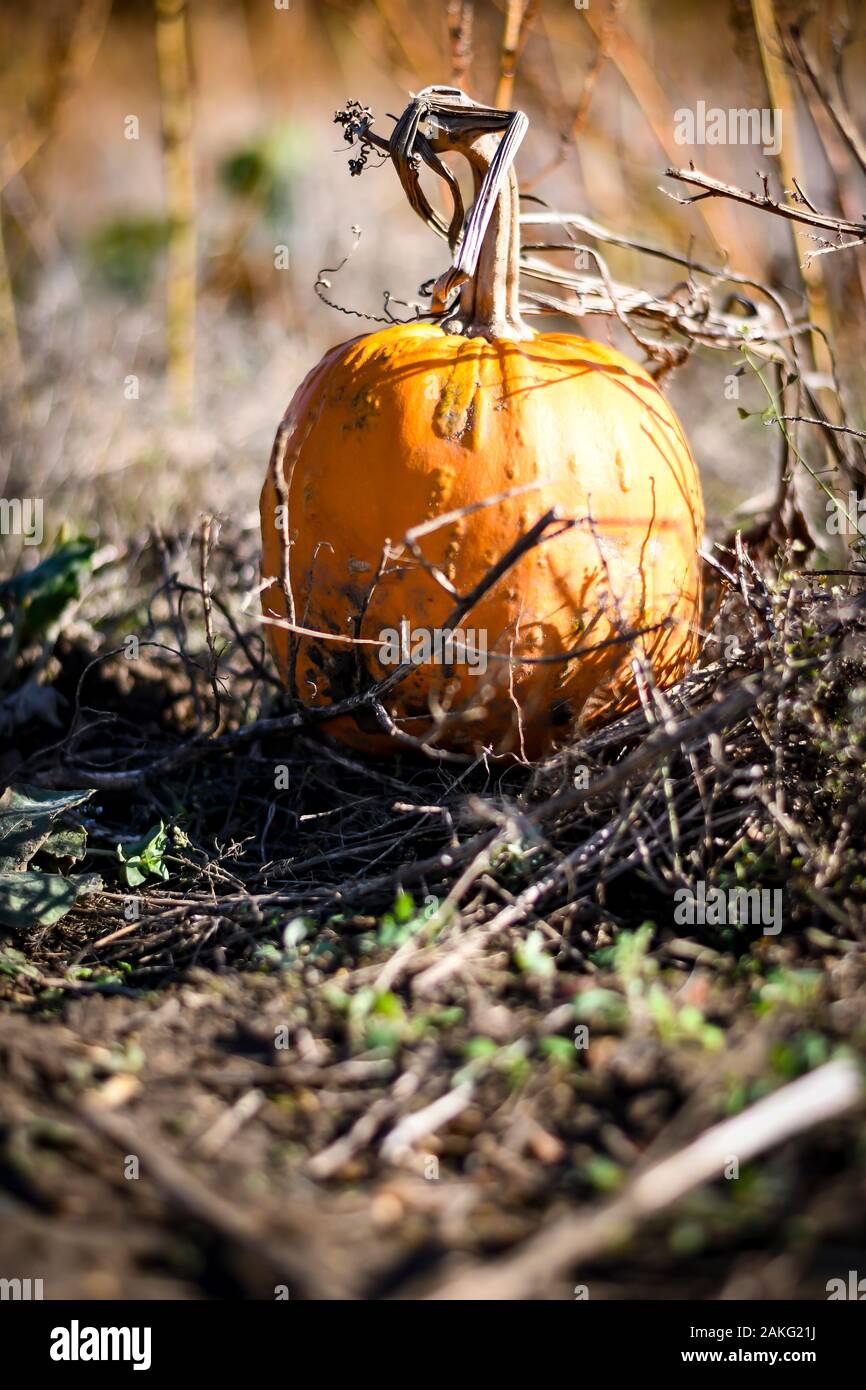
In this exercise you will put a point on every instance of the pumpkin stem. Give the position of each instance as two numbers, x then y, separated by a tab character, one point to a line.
489	300
486	266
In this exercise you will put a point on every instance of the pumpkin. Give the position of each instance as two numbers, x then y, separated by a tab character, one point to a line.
414	460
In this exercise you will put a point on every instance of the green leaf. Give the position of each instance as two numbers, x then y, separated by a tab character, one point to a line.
604	1007
532	958
27	815
67	842
32	899
404	907
145	856
15	963
42	594
480	1047
404	920
558	1049
259	173
361	1003
604	1174
631	955
268	954
388	1005
126	252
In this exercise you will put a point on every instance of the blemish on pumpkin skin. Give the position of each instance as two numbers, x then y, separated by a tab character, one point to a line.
453	550
455	408
363	407
623	470
442	480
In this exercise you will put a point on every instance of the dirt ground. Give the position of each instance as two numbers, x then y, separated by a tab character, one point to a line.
216	1093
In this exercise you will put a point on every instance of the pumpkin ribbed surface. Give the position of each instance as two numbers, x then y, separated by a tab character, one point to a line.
407	424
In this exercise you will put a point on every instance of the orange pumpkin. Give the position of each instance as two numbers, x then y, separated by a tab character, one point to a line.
401	427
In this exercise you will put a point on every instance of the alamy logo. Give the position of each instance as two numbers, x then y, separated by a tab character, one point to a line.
438	646
715	907
853	1287
844	520
22	516
76	1343
20	1290
737	126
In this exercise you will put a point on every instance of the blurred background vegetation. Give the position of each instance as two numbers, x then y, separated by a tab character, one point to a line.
172	184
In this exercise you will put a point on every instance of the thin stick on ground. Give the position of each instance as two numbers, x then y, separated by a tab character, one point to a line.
823	1095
